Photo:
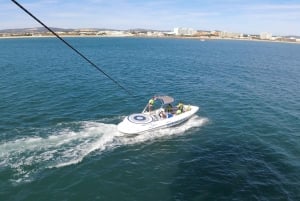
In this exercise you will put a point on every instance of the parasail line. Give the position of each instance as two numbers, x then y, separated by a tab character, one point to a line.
70	46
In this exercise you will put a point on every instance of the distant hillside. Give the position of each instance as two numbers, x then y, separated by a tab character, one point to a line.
42	29
298	37
32	30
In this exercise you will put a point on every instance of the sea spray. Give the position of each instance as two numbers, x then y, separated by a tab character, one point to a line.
28	156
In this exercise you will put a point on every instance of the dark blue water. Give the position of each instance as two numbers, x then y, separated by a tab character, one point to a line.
58	117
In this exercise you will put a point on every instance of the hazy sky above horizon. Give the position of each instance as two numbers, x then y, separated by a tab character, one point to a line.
280	17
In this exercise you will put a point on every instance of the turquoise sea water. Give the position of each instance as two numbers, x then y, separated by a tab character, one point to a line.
58	117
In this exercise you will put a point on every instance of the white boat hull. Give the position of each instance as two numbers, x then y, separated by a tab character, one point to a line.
138	123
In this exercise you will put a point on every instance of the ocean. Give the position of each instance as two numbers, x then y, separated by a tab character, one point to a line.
59	116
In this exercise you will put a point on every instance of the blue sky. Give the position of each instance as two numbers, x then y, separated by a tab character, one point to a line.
280	17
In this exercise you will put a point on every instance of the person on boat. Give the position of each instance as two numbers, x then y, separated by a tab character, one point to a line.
151	103
179	108
169	108
162	114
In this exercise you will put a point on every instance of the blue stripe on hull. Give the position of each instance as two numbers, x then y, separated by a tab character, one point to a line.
168	125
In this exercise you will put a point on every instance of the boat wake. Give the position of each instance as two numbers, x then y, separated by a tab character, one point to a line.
26	157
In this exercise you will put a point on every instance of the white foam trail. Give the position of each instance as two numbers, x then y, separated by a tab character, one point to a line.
29	155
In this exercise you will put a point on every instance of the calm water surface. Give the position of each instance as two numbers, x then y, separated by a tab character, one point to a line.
58	119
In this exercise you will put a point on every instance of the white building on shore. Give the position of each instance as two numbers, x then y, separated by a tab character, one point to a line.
179	31
265	36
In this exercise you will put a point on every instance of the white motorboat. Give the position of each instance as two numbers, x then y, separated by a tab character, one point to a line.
159	115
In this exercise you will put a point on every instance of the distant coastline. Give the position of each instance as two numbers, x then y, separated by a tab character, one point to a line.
185	33
176	33
138	36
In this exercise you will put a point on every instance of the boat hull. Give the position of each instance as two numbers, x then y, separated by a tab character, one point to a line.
138	123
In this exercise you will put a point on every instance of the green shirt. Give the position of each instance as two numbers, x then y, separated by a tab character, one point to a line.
151	101
180	106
